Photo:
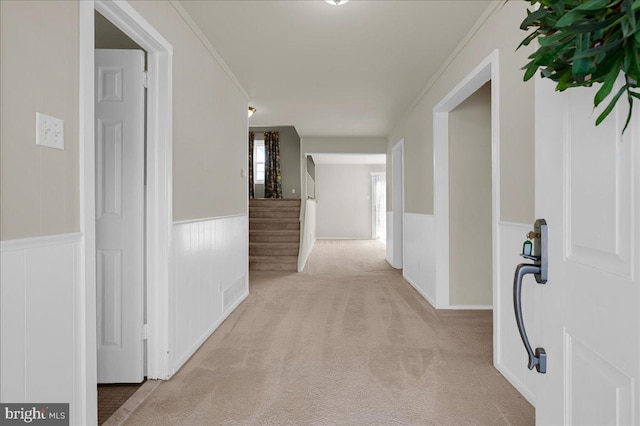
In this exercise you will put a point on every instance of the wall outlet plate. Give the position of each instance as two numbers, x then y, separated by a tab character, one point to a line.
49	131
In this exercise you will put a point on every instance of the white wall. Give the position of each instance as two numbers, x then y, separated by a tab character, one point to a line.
344	200
210	279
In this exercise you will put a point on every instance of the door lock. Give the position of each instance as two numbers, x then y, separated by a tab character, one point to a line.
539	269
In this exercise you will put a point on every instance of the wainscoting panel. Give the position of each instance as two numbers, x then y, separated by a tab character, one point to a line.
308	235
390	237
209	280
511	357
419	254
40	321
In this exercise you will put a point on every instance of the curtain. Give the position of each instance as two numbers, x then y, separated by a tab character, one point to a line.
272	178
250	173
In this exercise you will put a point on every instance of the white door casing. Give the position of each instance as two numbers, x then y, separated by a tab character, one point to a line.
397	203
587	189
119	127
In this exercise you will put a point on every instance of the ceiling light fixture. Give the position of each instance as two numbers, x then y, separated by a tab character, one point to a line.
336	2
252	110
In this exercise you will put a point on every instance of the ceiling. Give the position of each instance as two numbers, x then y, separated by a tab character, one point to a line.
349	158
350	70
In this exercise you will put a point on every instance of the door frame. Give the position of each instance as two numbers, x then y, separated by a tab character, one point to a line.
397	207
487	70
158	215
374	228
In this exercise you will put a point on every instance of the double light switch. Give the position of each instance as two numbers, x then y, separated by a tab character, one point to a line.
49	131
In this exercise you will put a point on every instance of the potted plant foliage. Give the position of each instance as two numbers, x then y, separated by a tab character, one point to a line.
582	42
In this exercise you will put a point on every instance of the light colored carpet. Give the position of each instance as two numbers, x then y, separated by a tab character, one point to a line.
347	342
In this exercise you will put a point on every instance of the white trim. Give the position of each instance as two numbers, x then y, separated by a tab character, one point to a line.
33	242
205	42
470	307
192	350
398	211
346	238
87	346
188	221
487	70
419	290
516	383
159	186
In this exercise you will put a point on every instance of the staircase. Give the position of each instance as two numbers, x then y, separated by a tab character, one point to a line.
274	234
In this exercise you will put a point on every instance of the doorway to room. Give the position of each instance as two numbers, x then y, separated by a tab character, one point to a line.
470	237
379	206
120	126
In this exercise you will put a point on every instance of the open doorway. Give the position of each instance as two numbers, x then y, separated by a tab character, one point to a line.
379	206
486	72
345	196
120	158
470	238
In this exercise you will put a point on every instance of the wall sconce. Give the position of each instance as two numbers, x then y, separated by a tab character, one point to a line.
252	111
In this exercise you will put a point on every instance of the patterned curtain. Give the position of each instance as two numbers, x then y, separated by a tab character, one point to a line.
250	173
272	178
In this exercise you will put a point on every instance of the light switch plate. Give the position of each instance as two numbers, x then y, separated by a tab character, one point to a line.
49	131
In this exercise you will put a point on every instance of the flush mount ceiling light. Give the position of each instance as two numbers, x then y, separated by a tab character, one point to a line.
336	2
252	110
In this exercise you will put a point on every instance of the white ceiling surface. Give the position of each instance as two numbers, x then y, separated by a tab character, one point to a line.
350	70
349	158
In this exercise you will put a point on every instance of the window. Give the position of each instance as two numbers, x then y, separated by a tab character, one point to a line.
258	161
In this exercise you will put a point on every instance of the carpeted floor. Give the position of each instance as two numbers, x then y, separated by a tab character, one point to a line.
347	342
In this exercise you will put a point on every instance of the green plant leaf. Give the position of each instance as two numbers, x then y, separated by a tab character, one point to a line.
598	50
611	105
578	12
606	88
532	17
626	123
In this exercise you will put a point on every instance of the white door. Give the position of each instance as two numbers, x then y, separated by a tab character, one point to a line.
588	190
119	214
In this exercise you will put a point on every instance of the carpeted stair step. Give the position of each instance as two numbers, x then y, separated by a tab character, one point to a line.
288	224
273	249
274	212
278	236
273	263
272	202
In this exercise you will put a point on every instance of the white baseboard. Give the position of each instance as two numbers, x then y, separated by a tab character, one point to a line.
516	383
419	290
194	347
471	307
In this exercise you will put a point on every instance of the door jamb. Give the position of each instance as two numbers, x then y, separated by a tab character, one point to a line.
159	191
397	260
487	70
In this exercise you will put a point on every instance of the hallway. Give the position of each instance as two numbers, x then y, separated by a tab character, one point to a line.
348	341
